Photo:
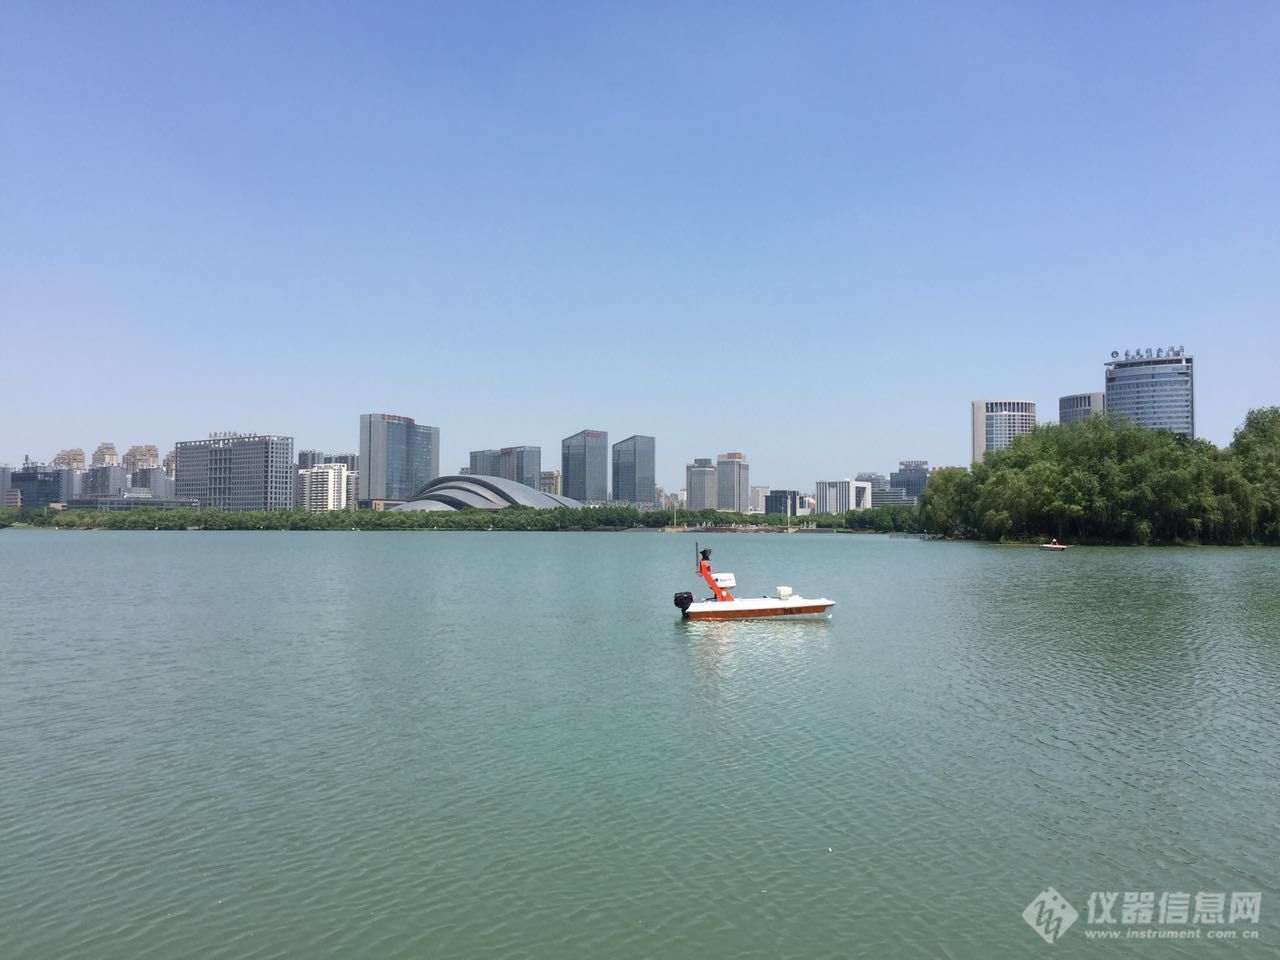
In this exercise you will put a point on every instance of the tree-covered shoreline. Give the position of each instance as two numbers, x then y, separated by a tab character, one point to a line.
1105	480
880	520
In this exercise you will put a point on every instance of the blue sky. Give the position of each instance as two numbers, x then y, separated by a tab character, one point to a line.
812	232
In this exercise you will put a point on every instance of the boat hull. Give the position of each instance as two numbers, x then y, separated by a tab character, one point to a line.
766	608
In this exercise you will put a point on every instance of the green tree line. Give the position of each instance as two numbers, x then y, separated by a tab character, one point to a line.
1102	480
1107	480
882	519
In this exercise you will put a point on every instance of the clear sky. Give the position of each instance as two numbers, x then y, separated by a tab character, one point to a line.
811	233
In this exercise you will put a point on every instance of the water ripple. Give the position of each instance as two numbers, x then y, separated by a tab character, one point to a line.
310	746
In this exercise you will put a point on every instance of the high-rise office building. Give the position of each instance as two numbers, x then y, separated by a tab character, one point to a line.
38	484
71	481
170	463
634	471
833	496
155	480
306	460
104	481
349	460
877	481
105	456
997	422
757	499
69	465
872	489
549	481
486	463
521	464
236	472
911	476
70	459
700	484
584	466
1078	406
139	456
733	485
398	456
1155	391
325	487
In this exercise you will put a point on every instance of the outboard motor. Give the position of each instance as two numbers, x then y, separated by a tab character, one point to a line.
683	600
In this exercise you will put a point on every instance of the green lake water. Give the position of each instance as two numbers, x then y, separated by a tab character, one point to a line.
441	745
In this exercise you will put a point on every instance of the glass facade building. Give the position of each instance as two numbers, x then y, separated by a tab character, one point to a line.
398	456
733	485
584	466
521	464
634	471
911	476
1154	391
782	502
38	485
485	463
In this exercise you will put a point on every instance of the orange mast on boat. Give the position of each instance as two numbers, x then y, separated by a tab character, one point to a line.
704	570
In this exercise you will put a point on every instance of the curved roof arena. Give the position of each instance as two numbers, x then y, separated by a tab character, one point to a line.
481	493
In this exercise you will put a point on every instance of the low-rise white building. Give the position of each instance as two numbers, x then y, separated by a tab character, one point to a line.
841	496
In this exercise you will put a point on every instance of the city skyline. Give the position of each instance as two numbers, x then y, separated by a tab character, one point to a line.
491	460
591	192
1047	413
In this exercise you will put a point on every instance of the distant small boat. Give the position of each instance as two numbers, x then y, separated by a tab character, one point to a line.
1054	546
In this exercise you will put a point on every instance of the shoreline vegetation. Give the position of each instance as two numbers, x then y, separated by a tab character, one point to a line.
1105	480
1101	481
898	519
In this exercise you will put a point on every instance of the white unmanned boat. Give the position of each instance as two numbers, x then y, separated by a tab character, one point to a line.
722	605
